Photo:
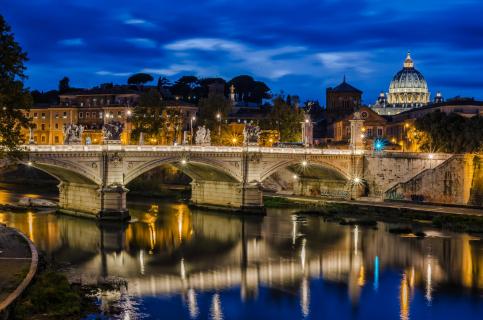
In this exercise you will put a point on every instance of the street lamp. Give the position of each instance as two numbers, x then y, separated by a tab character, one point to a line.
218	117
193	118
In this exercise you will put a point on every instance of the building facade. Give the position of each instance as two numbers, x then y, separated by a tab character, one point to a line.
92	108
343	99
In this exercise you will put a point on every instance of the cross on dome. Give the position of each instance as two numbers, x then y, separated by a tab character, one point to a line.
408	63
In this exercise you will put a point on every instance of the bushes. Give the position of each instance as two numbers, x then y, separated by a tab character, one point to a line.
50	297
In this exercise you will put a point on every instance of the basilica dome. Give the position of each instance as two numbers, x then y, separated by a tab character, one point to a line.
408	87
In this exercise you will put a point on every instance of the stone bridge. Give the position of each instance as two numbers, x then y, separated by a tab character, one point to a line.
93	178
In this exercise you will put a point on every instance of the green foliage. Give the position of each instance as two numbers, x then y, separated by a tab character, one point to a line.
450	133
286	118
139	79
147	116
50	296
209	108
13	96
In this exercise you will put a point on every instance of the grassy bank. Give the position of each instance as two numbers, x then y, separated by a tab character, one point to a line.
345	213
452	222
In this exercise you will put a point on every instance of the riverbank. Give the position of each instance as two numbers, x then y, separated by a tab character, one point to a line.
448	218
18	266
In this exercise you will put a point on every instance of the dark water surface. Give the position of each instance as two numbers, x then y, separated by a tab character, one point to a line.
176	263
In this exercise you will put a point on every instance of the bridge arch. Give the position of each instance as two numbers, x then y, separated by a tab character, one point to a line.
195	168
310	163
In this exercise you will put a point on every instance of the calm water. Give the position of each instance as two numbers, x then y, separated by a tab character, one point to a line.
177	263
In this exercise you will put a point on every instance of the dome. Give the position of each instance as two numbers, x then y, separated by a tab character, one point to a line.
408	87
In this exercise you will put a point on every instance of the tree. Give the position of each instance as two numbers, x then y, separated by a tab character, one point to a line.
286	118
249	90
139	79
147	117
452	133
64	85
187	88
14	98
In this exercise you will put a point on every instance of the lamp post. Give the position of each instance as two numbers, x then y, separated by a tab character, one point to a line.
193	118
218	117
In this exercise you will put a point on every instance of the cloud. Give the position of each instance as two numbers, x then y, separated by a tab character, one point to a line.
271	63
340	61
110	73
72	42
142	42
135	21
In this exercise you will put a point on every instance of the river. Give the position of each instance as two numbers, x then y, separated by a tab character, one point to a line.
173	262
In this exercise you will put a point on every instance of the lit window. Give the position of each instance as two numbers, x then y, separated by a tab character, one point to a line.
81	115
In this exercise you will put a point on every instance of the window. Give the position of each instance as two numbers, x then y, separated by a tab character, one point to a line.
88	114
119	114
35	115
43	126
369	132
43	139
81	115
82	104
56	126
56	115
64	115
43	115
28	114
100	115
56	139
379	132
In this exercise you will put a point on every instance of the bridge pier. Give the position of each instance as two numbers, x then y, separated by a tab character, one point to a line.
233	196
89	200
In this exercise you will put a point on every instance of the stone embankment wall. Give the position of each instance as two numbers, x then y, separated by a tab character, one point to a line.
458	181
384	171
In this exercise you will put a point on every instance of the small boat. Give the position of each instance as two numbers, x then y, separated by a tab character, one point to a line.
30	202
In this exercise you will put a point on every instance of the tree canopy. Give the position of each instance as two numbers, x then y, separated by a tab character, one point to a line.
249	90
13	96
285	117
64	84
139	79
452	133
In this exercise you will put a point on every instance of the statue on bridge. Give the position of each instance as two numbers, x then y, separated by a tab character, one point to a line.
251	134
73	133
112	132
203	136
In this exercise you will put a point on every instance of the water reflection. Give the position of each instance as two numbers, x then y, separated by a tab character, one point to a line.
171	250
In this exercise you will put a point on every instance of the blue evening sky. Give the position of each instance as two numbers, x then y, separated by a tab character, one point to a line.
299	46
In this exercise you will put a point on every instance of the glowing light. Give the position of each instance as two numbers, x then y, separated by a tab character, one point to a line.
406	125
192	304
431	156
218	116
306	120
193	118
429	287
379	144
363	136
234	140
376	273
295	177
29	163
183	161
404	298
361	280
305	297
216	312
304	163
357	180
129	112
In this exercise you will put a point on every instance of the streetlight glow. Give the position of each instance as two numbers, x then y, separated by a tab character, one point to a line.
183	161
304	163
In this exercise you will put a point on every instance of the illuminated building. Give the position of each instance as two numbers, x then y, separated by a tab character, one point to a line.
343	100
408	89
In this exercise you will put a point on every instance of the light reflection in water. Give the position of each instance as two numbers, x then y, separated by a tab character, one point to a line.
192	254
216	312
404	298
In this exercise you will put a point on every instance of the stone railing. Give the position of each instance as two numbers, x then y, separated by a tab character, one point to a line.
159	148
